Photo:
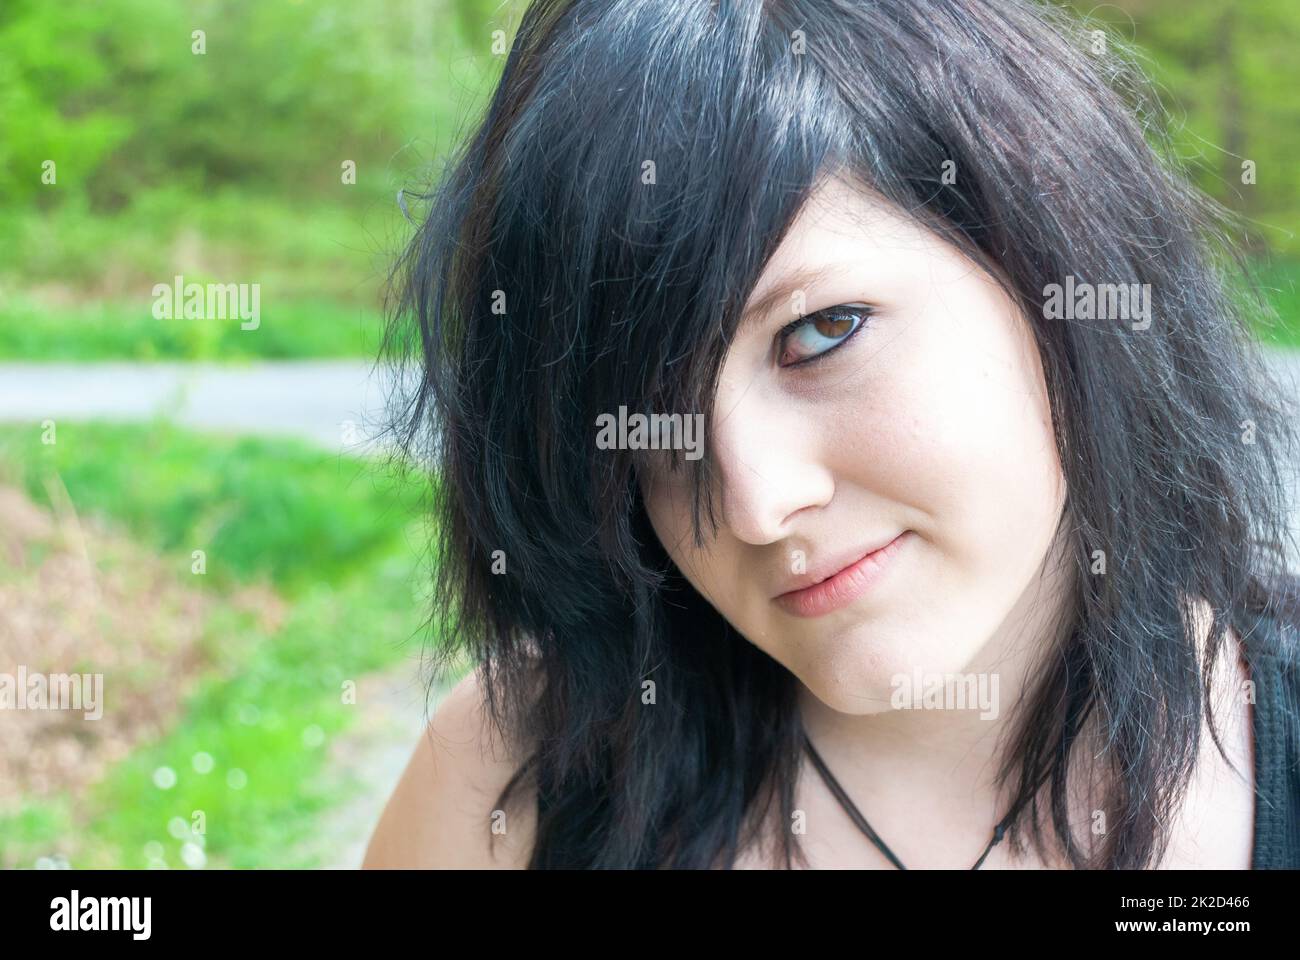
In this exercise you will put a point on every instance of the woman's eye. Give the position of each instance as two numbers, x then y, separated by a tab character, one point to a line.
819	333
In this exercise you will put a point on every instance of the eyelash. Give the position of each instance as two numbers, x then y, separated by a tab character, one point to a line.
863	311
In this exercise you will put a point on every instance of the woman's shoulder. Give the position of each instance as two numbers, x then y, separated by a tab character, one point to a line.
444	812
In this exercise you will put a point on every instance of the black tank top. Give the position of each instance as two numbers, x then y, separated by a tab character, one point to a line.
1275	722
1275	727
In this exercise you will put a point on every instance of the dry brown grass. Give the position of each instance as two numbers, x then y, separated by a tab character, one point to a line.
78	598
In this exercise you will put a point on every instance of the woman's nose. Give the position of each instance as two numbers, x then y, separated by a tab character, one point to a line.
770	468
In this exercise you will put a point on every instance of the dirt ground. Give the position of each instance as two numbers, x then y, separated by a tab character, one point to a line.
77	598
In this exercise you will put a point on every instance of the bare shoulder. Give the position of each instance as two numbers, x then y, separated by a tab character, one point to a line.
444	811
1215	827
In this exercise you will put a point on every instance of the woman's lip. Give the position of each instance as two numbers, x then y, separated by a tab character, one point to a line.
844	587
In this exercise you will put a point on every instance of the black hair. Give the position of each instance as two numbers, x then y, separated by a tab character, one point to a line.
592	245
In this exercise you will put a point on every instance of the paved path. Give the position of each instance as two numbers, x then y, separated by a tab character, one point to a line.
335	403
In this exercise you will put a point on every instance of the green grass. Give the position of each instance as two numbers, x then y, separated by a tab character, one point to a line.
128	331
340	537
259	722
276	508
77	284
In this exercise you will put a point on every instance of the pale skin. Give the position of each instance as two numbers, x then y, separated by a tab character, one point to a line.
931	419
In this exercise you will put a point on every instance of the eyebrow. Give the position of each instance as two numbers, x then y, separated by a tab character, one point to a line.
784	290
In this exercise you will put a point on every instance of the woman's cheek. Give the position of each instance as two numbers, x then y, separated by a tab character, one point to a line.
904	434
980	448
943	424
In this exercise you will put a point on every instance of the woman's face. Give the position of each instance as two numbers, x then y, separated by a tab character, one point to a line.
925	427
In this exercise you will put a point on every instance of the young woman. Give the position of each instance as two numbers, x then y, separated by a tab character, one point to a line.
978	558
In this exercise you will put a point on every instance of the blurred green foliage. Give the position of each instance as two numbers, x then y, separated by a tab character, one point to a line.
1227	73
283	93
227	164
277	509
292	328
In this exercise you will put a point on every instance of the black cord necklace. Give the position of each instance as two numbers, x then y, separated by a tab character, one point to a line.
861	821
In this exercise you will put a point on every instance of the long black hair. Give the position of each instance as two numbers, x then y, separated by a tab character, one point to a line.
591	246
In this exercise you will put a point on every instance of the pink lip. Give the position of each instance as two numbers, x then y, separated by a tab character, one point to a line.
843	588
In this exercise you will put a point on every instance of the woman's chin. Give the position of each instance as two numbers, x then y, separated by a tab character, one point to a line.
865	672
